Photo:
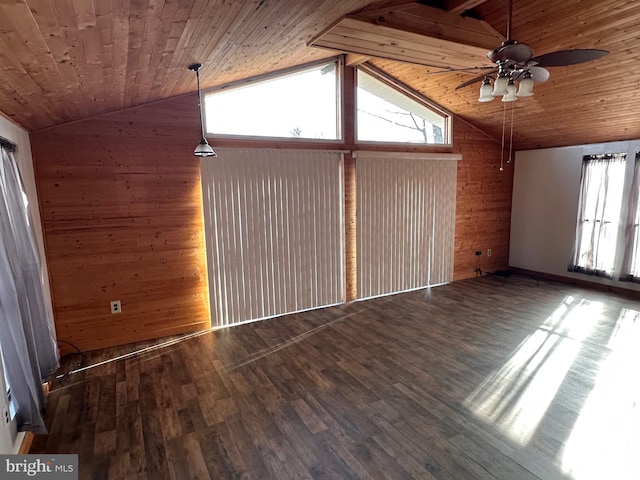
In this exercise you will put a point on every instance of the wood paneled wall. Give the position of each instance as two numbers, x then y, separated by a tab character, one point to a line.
121	207
350	230
483	203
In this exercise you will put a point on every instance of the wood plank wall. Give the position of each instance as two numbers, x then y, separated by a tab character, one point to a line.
121	207
350	231
483	203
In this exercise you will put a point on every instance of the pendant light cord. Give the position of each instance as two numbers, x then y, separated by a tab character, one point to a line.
196	68
200	102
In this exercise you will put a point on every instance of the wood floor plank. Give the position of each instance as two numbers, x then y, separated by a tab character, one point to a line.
498	464
479	379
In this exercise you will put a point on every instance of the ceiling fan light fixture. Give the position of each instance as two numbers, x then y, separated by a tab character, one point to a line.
486	91
500	86
515	63
510	96
525	89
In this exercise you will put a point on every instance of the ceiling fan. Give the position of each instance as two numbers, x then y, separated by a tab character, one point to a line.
516	64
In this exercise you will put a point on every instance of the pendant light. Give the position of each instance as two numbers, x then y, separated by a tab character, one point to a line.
500	85
203	149
511	92
486	90
526	85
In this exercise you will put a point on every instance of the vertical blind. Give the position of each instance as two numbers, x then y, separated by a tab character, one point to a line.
405	220
274	228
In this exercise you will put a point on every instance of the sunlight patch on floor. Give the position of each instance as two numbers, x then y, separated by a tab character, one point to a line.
516	397
605	440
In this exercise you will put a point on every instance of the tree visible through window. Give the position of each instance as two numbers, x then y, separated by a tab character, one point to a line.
601	185
387	114
306	104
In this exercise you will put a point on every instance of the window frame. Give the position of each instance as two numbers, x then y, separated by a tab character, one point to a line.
410	93
340	123
631	252
574	265
7	387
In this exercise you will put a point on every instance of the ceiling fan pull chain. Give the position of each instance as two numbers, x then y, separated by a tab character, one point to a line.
504	121
513	106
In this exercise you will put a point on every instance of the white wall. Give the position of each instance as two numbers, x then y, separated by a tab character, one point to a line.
10	440
546	187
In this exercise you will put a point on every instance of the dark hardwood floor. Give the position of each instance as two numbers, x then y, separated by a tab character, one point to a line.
491	378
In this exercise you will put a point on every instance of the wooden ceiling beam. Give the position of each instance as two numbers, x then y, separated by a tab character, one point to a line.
353	60
412	33
460	6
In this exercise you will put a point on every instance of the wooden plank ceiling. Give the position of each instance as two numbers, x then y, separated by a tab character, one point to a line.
66	60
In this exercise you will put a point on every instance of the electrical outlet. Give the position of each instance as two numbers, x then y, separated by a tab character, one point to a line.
115	306
6	418
489	252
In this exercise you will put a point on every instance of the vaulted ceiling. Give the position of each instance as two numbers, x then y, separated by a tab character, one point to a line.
64	60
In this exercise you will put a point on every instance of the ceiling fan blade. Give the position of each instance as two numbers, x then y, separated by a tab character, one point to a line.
539	74
469	69
517	52
568	57
475	79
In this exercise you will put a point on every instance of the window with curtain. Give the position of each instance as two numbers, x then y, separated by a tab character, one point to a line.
601	186
27	334
631	261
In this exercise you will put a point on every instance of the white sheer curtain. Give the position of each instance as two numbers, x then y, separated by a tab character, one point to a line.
631	262
601	186
27	334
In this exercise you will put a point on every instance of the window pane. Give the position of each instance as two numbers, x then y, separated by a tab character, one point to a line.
303	104
386	114
631	263
634	269
599	215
